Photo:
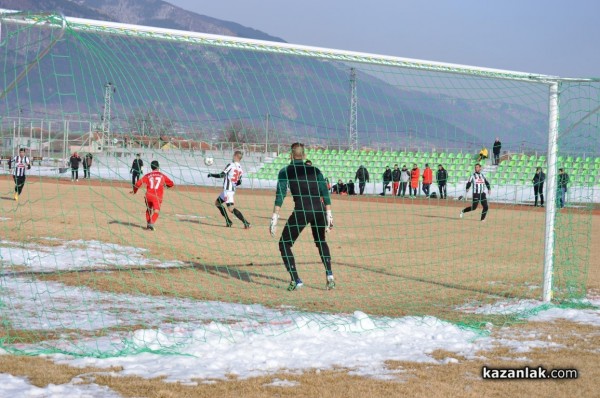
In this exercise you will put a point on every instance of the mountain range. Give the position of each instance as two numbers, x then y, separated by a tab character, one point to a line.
301	94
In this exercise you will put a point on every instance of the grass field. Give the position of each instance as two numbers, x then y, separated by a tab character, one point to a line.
391	257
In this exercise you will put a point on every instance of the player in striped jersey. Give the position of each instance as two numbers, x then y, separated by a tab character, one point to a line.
20	164
232	177
479	183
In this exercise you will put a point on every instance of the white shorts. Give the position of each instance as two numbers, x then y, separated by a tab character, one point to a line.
227	197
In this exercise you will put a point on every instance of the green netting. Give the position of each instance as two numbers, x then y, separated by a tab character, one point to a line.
81	274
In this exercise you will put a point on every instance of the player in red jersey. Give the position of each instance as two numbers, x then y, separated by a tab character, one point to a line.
155	182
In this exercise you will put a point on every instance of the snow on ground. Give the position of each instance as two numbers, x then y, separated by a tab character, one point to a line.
11	386
186	340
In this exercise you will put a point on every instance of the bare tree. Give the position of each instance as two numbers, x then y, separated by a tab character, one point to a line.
241	134
149	123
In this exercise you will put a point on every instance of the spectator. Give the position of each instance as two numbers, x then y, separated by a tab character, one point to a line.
483	154
87	165
387	178
74	162
350	186
496	149
395	180
362	175
538	186
404	179
340	188
441	177
563	181
427	179
308	162
415	173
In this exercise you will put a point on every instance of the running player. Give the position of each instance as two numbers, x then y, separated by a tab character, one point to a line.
232	177
20	163
155	182
479	184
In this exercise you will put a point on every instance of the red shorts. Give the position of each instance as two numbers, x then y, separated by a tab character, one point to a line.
153	202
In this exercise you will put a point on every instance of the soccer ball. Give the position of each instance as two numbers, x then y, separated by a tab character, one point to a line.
209	161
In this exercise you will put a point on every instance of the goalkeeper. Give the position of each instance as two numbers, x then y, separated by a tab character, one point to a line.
307	186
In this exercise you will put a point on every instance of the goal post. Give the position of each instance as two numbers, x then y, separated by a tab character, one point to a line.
78	248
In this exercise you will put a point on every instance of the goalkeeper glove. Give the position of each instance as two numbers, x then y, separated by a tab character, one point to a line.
273	226
329	221
209	176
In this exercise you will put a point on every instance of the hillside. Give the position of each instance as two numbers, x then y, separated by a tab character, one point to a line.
301	95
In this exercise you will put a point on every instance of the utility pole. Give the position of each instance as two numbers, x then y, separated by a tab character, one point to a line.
353	125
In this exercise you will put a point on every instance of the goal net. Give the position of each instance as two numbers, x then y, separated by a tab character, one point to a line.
82	274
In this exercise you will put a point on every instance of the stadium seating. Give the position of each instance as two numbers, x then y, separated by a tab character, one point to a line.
517	169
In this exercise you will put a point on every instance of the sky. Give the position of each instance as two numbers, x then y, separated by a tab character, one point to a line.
211	340
553	37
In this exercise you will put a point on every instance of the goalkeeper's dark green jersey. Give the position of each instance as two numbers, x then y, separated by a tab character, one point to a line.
307	186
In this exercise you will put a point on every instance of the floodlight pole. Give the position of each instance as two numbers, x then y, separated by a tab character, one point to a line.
108	91
551	193
267	134
353	124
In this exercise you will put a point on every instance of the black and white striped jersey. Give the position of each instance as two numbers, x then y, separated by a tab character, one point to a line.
20	165
479	182
233	173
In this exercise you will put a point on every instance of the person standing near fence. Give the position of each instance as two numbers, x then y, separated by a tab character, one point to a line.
538	186
441	176
415	174
427	179
395	180
387	178
87	165
479	183
496	148
404	179
563	182
362	175
74	162
137	169
21	164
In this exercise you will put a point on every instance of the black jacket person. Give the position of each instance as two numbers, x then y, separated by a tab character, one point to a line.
362	175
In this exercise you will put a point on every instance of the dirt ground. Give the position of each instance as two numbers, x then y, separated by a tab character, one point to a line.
391	257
